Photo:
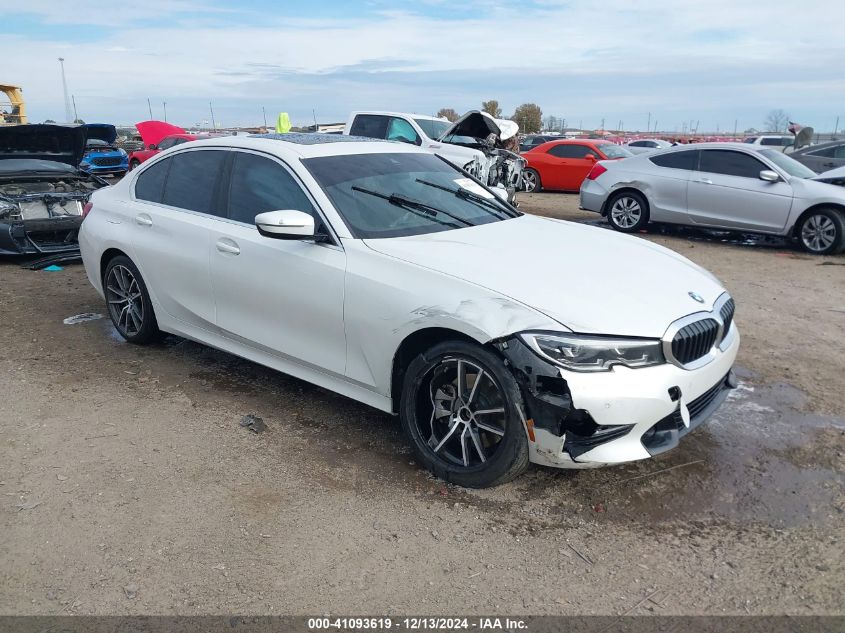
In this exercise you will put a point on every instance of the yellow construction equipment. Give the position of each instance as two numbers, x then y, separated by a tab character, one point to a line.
13	109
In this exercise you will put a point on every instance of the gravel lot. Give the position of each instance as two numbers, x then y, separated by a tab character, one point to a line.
128	486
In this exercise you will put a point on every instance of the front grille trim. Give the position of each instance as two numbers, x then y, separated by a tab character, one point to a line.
699	337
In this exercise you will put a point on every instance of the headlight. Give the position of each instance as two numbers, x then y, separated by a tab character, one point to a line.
121	151
578	352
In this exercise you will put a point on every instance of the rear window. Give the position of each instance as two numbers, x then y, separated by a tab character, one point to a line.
676	160
150	184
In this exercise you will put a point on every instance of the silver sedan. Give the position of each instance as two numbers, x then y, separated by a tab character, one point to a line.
723	186
647	145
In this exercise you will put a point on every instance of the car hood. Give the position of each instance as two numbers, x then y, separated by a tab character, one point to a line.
153	131
480	125
101	131
60	143
589	279
815	189
839	172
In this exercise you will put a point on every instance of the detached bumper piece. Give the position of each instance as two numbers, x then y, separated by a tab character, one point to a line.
666	434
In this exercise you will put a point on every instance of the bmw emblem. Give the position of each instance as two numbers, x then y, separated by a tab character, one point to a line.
696	297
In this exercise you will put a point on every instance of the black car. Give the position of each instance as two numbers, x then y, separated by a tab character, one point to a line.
42	189
533	140
823	157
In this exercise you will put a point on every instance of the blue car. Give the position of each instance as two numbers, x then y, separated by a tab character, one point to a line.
101	156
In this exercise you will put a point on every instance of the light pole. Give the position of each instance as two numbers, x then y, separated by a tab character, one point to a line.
164	103
64	87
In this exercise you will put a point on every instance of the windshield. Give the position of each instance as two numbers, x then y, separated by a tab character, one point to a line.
789	165
401	194
433	129
614	151
95	142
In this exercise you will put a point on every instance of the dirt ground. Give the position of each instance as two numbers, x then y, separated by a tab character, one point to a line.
127	485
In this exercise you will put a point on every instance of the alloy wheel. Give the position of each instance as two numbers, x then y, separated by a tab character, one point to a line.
467	422
529	181
818	233
126	304
626	212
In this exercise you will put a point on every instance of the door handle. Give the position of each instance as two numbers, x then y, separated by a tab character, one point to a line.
143	220
228	246
705	181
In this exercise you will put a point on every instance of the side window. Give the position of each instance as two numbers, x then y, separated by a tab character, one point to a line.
401	130
720	161
150	184
839	152
639	144
771	141
167	143
570	151
192	181
370	125
677	160
259	184
827	152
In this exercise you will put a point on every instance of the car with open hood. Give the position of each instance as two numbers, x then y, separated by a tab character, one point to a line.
156	137
102	156
476	142
385	273
43	192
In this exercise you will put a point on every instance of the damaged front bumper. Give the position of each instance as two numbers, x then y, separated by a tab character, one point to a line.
41	236
586	420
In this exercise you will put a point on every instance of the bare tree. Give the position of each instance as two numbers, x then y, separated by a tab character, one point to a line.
492	108
529	117
448	113
776	121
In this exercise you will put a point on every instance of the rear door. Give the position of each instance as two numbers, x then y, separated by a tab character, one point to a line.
175	204
726	191
285	296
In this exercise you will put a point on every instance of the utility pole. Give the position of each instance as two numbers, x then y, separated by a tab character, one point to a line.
150	108
735	123
164	103
213	124
314	114
836	127
648	125
264	112
75	115
64	88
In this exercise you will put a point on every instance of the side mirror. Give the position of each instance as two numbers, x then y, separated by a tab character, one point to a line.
590	157
769	176
500	192
285	225
152	146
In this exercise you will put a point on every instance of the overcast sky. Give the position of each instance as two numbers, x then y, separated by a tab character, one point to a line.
713	61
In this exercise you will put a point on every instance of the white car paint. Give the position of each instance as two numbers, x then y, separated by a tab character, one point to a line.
336	314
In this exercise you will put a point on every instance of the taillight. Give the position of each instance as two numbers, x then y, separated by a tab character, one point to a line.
87	209
596	171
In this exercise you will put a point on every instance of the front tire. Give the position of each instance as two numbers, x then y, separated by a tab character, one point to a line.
822	232
627	211
128	302
460	407
531	181
133	164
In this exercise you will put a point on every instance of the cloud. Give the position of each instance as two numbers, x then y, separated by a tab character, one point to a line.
582	60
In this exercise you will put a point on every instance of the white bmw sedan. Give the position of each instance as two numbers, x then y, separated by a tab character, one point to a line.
384	273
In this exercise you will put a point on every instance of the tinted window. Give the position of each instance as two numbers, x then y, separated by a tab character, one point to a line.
640	144
676	160
401	130
370	125
827	152
570	151
720	161
167	143
192	181
150	183
259	184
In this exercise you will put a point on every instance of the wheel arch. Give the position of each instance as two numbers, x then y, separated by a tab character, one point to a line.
108	255
414	344
809	210
625	189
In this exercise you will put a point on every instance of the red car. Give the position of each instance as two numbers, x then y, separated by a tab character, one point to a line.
563	165
157	136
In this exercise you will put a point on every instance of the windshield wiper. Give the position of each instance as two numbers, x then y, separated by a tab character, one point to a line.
415	205
470	196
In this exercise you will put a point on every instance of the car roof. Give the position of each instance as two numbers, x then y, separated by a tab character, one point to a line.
411	115
303	145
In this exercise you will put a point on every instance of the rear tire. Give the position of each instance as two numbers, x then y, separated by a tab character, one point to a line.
627	211
822	232
128	302
531	181
460	408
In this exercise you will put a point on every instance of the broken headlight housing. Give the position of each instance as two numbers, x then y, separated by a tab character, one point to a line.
579	352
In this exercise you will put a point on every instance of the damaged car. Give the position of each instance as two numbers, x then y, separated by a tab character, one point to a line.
484	147
43	192
102	156
384	273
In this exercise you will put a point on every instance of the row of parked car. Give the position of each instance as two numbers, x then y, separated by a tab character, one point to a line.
750	187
